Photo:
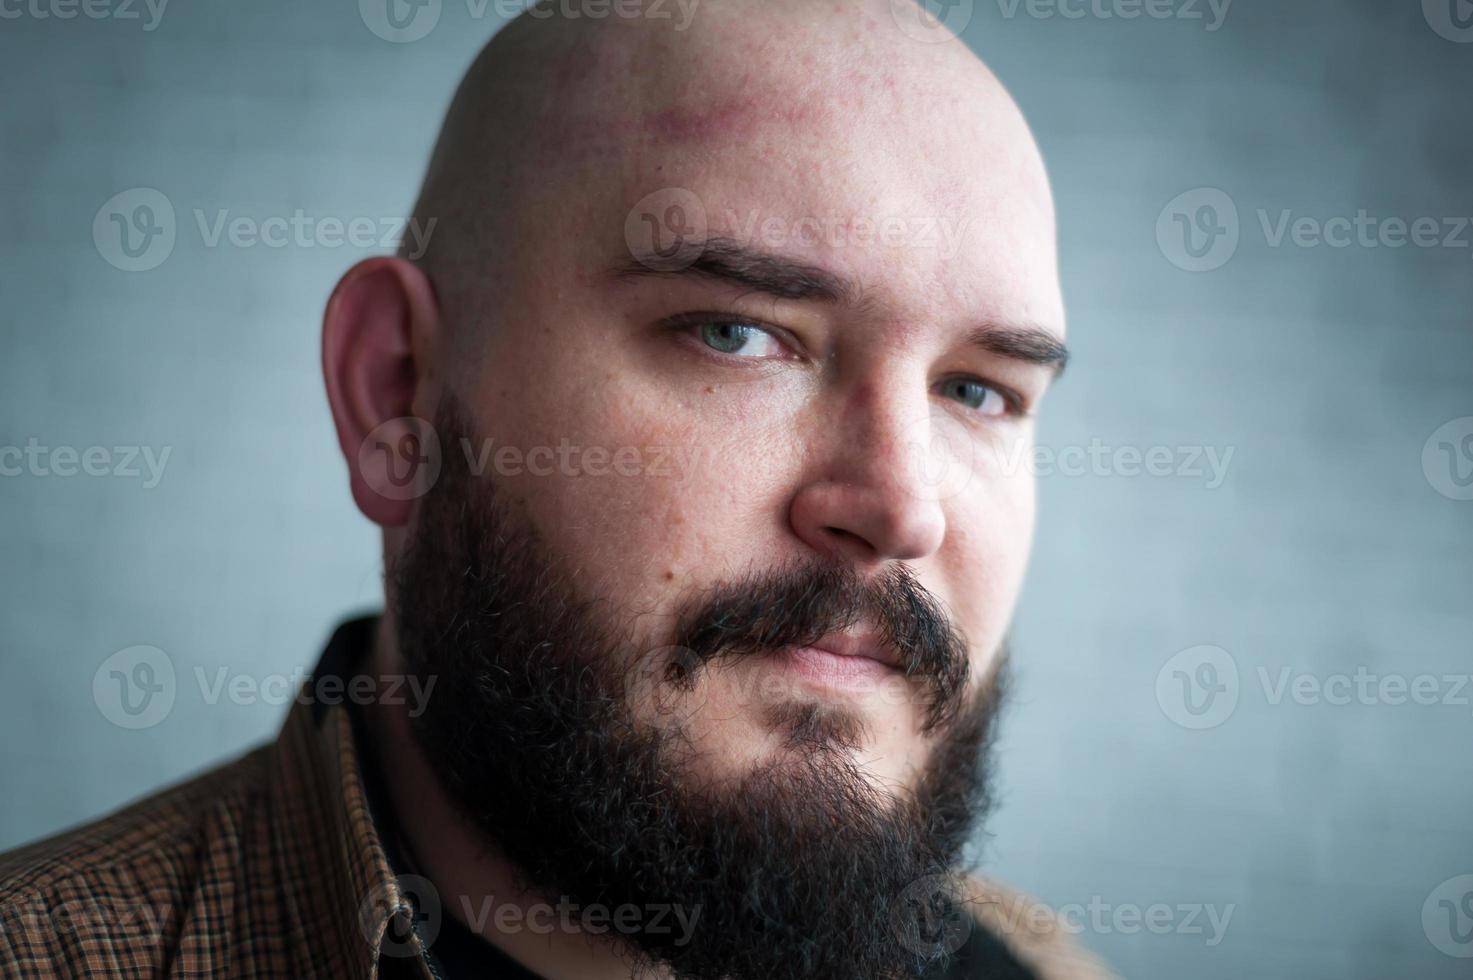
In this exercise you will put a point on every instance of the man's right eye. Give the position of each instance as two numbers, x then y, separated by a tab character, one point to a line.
739	338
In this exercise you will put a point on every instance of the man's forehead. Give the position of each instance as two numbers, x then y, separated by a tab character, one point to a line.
854	161
851	236
593	136
815	132
741	70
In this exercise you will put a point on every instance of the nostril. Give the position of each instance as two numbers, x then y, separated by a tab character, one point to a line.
848	540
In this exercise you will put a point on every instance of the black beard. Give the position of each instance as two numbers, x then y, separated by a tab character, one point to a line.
794	869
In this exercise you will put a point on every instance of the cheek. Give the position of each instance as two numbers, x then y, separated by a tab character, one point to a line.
653	488
989	537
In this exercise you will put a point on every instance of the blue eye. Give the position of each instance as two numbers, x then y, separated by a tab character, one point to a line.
739	339
976	395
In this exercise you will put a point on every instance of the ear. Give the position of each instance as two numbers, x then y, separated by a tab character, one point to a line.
378	335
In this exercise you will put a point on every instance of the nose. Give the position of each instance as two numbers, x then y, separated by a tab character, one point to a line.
869	500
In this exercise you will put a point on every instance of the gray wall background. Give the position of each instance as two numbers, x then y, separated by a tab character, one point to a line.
1328	546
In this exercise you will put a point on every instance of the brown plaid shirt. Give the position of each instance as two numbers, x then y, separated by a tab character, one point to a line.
272	866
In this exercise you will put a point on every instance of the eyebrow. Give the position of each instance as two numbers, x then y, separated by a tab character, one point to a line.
1031	345
730	261
727	260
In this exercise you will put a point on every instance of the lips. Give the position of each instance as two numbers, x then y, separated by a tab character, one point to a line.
864	644
858	660
860	668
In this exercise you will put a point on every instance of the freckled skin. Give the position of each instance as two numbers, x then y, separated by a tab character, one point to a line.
800	113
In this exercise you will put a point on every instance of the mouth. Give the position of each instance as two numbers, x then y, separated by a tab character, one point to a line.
844	661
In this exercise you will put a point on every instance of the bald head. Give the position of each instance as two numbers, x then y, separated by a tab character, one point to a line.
794	111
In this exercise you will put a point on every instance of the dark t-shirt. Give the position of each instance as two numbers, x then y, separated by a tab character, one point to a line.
459	954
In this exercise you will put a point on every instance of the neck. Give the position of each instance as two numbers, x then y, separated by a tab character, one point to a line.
477	885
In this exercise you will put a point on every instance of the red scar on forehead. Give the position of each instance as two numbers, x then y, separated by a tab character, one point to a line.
594	137
584	138
731	118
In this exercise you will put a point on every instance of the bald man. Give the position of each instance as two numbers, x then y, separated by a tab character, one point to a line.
688	436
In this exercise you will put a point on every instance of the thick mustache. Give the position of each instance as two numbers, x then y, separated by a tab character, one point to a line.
800	605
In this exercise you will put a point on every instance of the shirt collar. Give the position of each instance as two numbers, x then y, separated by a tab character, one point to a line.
339	888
